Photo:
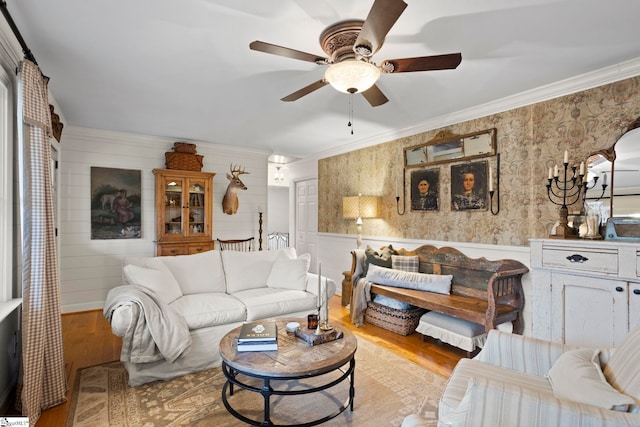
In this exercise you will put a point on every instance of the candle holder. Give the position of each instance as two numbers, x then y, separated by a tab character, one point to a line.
569	190
595	182
491	192
404	199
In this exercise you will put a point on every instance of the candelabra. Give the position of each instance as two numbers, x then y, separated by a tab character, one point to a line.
569	190
595	182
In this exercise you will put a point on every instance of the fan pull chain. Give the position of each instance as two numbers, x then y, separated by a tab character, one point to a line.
350	124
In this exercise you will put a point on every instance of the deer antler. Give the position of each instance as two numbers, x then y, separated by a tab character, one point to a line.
235	170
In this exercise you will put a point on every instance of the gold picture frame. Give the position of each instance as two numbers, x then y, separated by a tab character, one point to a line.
447	147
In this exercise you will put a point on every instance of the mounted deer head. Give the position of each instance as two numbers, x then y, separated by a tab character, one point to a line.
230	199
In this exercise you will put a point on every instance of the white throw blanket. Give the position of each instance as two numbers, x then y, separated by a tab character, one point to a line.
156	331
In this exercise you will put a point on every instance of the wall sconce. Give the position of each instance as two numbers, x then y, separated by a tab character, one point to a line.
404	207
491	191
358	207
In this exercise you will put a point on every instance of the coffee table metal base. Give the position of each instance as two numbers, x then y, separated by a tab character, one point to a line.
267	391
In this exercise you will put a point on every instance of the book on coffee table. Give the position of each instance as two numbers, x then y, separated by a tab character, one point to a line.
260	331
257	346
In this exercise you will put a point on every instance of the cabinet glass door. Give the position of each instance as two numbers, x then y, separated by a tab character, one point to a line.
197	192
173	207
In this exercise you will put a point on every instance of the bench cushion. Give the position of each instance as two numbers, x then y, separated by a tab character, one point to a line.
457	332
404	279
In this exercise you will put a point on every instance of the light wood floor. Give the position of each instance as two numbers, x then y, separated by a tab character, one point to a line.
88	341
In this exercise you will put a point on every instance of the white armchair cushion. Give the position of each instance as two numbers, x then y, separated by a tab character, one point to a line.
577	376
623	369
289	273
197	273
161	283
404	279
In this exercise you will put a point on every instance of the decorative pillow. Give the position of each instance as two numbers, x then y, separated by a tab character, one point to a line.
383	259
622	370
404	279
290	273
197	273
161	283
577	376
392	303
405	263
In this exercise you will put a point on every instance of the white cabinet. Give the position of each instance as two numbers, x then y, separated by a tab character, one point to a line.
585	292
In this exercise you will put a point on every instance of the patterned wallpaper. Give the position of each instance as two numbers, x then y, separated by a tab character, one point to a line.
529	139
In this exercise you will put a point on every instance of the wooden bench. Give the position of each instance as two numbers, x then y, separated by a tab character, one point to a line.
482	291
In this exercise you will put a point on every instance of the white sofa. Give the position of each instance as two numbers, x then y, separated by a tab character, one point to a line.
522	381
172	311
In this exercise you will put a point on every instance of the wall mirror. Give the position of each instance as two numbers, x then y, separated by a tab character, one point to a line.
447	147
621	167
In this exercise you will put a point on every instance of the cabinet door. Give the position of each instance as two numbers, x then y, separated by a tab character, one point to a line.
634	305
198	194
171	215
589	311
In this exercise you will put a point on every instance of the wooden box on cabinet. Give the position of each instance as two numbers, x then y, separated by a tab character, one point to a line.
184	213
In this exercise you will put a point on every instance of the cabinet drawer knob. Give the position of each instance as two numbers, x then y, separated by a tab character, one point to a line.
636	291
619	288
577	258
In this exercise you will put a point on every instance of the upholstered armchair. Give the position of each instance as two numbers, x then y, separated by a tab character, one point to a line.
522	381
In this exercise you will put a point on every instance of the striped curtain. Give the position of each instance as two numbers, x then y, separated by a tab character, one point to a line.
42	382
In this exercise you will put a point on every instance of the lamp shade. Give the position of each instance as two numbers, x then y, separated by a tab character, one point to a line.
352	76
354	207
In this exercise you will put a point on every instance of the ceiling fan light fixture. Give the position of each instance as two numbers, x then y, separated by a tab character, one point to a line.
348	75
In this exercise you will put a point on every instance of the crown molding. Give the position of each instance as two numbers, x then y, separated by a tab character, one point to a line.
611	74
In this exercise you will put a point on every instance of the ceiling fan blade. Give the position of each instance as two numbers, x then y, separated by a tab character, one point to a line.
305	90
382	16
374	96
289	53
422	63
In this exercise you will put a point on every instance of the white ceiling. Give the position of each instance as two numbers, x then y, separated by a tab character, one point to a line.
183	69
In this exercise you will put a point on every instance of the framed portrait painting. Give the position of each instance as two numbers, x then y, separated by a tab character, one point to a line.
469	186
115	203
424	190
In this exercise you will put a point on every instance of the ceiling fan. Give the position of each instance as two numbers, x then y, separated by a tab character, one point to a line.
350	45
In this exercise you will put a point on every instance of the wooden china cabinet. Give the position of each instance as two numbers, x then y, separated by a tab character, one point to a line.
184	213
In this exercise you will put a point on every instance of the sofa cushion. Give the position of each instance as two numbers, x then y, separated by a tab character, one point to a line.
161	283
270	302
209	309
622	369
289	273
405	263
197	273
247	270
404	279
577	376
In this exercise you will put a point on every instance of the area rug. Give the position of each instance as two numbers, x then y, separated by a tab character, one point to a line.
387	388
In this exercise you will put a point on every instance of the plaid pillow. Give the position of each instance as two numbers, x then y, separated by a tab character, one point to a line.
405	263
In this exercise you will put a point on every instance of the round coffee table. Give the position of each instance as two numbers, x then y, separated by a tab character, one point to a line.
294	360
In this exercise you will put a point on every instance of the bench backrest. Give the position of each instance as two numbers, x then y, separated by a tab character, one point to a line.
471	276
